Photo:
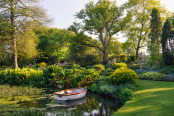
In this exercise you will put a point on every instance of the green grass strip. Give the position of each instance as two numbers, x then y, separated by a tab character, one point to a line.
151	98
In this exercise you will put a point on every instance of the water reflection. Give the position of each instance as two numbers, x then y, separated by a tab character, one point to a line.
91	105
71	103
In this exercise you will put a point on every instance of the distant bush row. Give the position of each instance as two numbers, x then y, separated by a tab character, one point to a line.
156	76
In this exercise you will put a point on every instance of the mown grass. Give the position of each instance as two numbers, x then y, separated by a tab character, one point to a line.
151	98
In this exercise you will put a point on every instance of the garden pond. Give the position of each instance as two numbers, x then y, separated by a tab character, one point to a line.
91	105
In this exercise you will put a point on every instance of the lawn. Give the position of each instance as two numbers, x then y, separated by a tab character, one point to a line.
151	98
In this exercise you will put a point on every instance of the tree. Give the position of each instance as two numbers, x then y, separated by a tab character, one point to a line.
103	19
115	47
18	12
81	51
139	28
155	37
128	48
27	48
53	43
166	32
4	42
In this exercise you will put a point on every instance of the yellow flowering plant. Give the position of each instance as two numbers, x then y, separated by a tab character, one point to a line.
99	67
119	65
123	75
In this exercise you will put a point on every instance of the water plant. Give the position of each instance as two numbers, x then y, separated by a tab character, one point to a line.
11	91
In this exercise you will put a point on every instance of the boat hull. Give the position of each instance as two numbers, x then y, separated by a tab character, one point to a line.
72	96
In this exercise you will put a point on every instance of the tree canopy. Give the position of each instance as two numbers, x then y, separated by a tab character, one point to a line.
103	19
19	13
139	27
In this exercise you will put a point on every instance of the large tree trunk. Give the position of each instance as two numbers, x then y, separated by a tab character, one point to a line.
14	53
136	54
105	55
106	48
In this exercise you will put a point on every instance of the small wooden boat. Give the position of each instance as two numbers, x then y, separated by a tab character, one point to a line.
70	94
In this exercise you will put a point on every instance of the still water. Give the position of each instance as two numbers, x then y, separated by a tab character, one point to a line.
91	105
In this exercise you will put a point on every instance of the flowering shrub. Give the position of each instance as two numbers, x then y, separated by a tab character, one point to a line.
119	65
123	75
43	64
156	76
99	67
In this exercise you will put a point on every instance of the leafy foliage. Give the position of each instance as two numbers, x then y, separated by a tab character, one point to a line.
123	92
75	77
20	13
19	76
119	65
99	67
125	95
134	66
123	75
5	55
52	76
103	19
167	57
53	44
155	37
152	76
139	27
42	64
167	70
107	72
81	51
8	91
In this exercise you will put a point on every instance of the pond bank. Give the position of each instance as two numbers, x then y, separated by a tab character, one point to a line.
152	98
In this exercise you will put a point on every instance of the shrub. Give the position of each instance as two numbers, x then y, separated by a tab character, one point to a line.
119	65
152	76
131	58
167	70
134	66
123	75
74	77
99	67
50	77
93	88
19	76
43	64
107	72
123	92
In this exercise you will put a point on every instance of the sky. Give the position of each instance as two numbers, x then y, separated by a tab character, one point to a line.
63	11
